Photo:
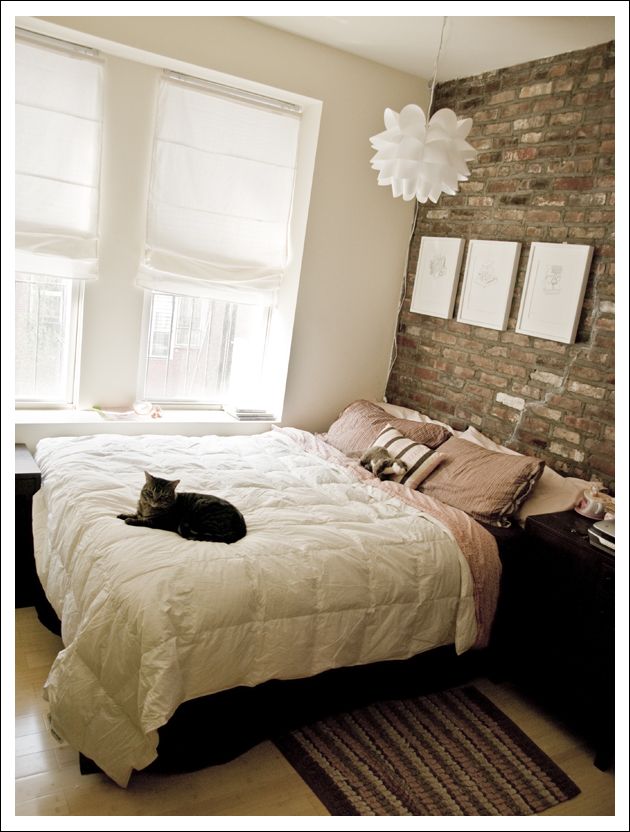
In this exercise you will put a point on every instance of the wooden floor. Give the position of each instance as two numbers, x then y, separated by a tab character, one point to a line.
261	782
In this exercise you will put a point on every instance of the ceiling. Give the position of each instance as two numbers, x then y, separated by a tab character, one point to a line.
472	45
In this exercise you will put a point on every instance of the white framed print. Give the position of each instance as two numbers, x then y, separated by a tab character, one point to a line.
435	286
555	283
488	283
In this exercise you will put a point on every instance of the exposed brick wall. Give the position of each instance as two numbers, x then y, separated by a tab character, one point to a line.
545	135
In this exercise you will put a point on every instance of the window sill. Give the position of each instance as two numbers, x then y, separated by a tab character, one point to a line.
43	416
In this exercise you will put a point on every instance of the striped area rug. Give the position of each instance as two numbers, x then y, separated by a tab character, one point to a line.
449	753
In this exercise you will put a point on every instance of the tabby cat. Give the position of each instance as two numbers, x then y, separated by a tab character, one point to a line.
193	516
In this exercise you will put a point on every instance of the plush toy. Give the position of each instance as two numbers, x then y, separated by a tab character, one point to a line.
382	464
593	503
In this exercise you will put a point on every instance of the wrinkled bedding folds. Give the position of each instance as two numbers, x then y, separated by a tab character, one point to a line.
336	570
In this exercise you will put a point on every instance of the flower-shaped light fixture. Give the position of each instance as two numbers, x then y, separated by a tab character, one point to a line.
423	158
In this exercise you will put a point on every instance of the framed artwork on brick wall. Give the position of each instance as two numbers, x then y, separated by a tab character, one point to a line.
435	286
488	283
553	293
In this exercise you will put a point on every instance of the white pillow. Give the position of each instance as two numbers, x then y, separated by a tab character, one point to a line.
471	434
552	492
420	459
400	412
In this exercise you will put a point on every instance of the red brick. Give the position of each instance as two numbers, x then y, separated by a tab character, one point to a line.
425	373
404	341
549	199
500	352
500	186
535	90
513	370
564	85
480	200
506	414
502	97
606	323
444	337
520	154
575	183
566	118
543	105
493	381
605	464
524	356
535	425
583	425
558	70
603	412
482	361
475	391
518	109
530	123
544	216
443	406
501	127
487	334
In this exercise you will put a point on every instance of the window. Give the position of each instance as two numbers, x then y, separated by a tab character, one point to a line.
217	246
46	317
203	350
59	97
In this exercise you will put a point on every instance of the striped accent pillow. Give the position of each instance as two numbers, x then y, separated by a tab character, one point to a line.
420	459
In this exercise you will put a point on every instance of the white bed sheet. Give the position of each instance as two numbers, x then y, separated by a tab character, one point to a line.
333	572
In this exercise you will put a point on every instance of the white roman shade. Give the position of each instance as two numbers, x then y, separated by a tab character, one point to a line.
58	123
221	192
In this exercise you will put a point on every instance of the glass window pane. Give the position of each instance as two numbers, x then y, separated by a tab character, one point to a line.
46	310
203	350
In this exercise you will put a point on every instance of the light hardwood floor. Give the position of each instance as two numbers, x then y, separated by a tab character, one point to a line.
261	782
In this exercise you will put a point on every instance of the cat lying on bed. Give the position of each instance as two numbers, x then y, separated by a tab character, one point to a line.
380	462
193	516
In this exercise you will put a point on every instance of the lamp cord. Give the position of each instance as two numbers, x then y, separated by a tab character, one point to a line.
403	294
435	67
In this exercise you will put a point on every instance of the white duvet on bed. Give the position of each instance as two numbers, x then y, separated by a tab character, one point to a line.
332	572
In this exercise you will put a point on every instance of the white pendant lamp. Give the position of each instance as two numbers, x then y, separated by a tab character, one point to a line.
423	158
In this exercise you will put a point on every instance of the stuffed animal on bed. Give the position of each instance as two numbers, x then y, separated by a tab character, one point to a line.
382	464
190	515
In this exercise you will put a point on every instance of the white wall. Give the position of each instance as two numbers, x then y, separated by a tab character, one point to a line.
357	233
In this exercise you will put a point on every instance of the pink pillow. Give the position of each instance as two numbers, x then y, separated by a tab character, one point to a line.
361	422
552	492
489	486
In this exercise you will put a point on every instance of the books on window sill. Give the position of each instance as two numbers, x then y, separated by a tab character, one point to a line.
247	414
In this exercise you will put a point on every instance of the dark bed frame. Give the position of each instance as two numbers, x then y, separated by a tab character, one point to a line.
217	728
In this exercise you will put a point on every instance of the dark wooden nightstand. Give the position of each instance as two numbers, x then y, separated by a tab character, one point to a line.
27	482
557	638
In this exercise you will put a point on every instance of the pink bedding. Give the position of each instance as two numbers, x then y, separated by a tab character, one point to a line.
477	544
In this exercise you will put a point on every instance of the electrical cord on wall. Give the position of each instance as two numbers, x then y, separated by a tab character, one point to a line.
403	293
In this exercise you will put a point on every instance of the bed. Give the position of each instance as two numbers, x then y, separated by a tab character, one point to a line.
337	570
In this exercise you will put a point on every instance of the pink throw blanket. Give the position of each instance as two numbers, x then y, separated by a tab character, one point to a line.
477	544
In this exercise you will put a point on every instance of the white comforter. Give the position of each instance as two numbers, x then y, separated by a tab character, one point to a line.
333	572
